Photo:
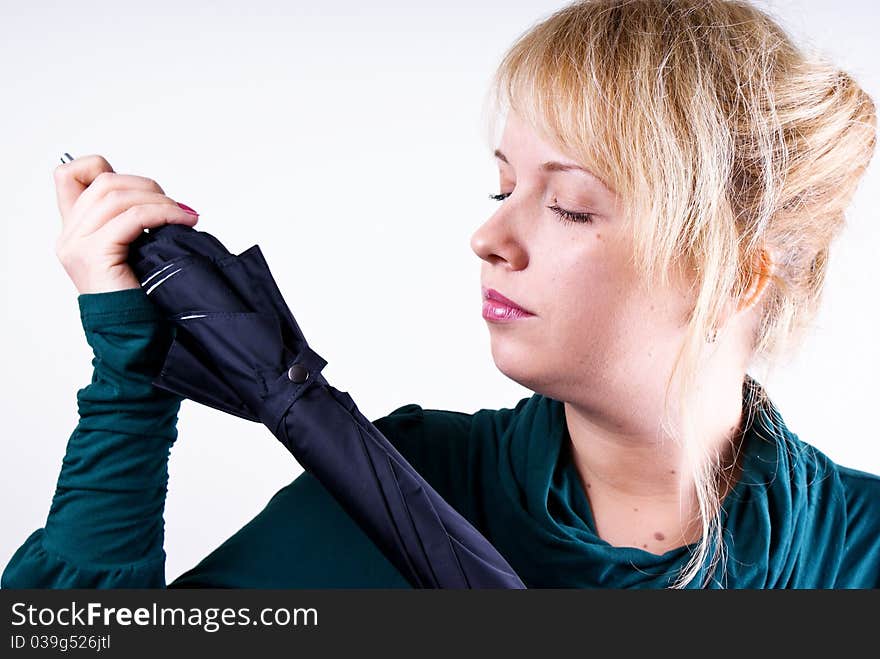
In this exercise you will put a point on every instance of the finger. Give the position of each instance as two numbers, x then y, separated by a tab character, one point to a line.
72	178
118	201
125	228
107	182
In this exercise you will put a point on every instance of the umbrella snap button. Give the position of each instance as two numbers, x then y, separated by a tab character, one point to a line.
298	373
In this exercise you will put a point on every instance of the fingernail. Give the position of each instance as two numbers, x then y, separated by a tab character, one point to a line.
187	209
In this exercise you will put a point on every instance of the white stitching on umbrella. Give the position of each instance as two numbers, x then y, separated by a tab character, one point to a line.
156	273
153	287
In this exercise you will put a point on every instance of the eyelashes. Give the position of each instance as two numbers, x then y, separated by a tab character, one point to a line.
569	216
563	215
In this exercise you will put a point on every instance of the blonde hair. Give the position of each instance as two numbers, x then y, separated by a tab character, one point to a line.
722	139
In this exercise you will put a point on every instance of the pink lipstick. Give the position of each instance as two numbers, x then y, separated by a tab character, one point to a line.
499	308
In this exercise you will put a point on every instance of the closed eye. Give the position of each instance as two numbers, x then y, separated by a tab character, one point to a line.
564	215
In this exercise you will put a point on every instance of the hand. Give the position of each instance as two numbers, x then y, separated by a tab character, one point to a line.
102	212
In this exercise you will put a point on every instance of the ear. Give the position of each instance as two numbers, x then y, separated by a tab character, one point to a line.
760	278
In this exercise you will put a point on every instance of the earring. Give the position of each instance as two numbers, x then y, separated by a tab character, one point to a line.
712	336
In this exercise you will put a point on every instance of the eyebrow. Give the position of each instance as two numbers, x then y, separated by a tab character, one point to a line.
554	166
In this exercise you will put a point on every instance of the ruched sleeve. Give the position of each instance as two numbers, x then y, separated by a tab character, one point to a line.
105	526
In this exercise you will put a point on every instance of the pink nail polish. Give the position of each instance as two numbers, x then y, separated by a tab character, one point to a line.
187	209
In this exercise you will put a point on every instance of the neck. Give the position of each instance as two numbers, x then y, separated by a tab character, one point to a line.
638	479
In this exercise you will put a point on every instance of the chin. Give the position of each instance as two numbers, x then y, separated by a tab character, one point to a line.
520	363
539	371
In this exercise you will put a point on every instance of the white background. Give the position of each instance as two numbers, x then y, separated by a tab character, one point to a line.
347	143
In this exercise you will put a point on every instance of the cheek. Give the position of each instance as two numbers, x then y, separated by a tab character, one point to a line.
600	310
592	324
590	285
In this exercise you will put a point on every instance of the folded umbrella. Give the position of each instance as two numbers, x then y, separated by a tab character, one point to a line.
237	348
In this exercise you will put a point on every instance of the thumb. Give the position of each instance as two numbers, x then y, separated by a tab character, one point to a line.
71	178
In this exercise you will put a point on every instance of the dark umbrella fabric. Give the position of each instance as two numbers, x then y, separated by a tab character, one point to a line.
237	348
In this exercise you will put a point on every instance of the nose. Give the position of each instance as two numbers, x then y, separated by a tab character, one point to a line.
497	242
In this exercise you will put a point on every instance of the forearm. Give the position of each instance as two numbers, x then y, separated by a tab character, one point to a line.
106	516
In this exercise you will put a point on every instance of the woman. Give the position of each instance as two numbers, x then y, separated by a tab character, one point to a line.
699	166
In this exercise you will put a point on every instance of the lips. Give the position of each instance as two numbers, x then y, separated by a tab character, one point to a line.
492	294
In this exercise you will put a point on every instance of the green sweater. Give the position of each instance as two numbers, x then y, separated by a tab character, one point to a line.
796	519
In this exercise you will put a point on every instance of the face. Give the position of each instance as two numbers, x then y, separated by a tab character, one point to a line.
595	336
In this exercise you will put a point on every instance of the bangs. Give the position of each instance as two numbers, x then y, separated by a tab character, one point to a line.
542	79
632	92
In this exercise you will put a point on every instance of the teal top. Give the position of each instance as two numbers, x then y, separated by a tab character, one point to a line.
795	519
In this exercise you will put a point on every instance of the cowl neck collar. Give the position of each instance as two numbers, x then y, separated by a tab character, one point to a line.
784	522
